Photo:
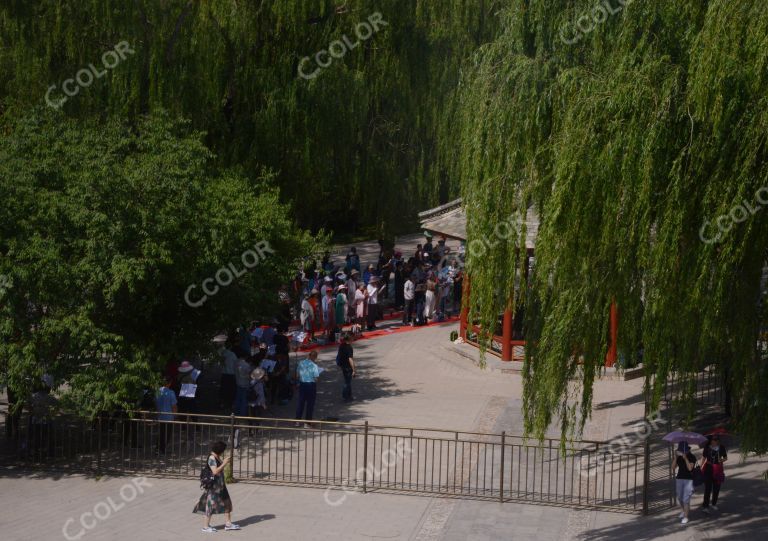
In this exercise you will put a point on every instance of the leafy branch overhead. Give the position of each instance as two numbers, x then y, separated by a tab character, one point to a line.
627	142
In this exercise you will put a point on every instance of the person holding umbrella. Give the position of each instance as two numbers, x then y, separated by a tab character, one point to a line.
685	462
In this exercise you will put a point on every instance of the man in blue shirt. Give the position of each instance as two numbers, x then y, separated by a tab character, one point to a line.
306	375
165	402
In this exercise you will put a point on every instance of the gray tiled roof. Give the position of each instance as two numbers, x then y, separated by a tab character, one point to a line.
450	220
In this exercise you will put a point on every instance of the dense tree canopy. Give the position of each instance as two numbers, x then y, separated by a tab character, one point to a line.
114	208
637	130
103	230
632	127
355	146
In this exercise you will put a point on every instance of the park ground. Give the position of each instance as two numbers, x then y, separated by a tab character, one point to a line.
410	379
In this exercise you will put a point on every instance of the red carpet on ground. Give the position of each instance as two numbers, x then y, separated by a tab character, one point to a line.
380	332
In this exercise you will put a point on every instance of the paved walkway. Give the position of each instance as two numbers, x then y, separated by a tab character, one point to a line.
407	379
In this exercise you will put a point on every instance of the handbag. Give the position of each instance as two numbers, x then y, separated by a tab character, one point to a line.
718	474
698	476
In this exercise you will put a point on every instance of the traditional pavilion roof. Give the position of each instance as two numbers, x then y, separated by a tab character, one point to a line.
450	220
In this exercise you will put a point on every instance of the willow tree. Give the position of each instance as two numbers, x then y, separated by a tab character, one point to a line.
632	127
352	146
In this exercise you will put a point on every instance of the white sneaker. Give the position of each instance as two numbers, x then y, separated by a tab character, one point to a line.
231	526
681	515
209	529
705	510
684	521
714	508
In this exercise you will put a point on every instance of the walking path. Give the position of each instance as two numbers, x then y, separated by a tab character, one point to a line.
408	379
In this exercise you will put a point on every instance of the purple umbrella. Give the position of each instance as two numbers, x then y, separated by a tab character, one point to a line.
689	437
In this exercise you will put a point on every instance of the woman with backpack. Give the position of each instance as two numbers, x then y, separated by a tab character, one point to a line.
215	499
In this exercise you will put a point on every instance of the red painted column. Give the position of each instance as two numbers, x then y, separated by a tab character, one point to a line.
464	307
612	355
506	336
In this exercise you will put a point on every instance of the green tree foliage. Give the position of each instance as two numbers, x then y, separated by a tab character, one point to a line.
630	139
103	229
353	147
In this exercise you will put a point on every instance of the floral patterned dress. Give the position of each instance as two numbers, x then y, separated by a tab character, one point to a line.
215	500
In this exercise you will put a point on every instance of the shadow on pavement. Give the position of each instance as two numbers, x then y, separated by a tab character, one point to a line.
254	519
742	515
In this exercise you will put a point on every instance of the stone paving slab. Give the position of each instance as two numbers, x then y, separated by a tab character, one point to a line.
164	511
40	508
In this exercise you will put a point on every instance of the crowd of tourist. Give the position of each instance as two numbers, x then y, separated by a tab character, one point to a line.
333	302
339	295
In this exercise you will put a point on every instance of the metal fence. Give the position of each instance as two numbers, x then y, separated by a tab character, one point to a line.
350	456
705	388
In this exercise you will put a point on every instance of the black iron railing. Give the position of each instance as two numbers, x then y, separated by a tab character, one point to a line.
349	456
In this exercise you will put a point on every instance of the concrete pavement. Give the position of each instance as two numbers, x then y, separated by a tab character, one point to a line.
43	507
405	379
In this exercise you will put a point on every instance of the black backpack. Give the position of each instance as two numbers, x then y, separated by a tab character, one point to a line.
207	479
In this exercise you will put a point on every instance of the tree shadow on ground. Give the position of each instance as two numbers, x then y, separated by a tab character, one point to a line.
742	504
628	401
21	472
136	452
367	386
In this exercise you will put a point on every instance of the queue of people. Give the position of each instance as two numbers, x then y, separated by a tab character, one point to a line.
337	300
337	296
256	372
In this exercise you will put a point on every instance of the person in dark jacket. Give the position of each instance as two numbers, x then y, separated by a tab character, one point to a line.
713	457
345	361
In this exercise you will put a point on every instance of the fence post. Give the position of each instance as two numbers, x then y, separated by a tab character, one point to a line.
365	459
98	446
501	478
646	473
671	456
231	449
